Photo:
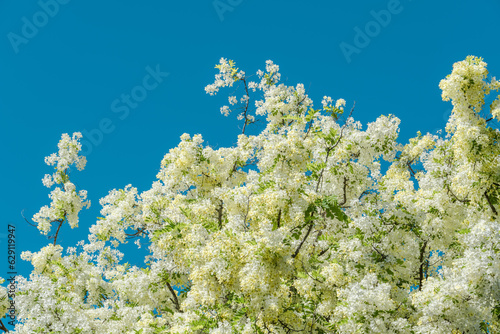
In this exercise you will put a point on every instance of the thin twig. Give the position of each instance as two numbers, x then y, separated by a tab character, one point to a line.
246	107
139	231
22	214
329	149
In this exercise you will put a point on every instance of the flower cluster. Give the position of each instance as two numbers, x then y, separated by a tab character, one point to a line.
314	225
67	202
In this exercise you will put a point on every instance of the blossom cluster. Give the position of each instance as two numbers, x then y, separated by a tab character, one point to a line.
67	202
298	228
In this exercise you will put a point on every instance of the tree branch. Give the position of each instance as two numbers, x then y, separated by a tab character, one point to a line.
491	205
421	269
279	219
303	240
219	213
324	251
175	300
2	327
381	254
61	221
246	214
345	189
139	231
408	163
455	196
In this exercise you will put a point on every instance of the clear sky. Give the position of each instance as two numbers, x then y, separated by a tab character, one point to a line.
69	65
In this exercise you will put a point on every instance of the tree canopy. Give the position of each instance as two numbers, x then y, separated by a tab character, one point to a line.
313	225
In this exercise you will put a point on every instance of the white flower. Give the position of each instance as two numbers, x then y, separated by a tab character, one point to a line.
224	110
327	100
340	103
233	100
47	181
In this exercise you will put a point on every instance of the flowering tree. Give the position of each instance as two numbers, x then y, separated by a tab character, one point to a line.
296	229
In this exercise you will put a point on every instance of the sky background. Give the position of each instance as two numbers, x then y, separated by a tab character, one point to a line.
63	67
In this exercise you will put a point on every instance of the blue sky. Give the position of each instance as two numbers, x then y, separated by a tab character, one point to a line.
68	66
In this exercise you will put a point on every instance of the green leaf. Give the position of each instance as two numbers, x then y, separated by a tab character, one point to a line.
301	275
332	208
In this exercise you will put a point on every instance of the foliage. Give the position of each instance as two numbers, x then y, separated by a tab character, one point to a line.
295	229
